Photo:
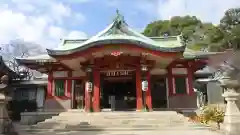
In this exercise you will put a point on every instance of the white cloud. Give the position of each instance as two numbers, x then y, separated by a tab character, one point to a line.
207	10
42	22
76	35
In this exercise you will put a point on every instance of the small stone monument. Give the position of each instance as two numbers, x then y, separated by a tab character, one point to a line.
4	119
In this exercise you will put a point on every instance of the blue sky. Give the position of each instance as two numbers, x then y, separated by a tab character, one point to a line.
101	14
46	21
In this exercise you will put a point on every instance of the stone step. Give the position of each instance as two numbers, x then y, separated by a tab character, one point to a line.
119	113
77	126
106	121
80	121
63	128
63	131
129	122
93	118
115	118
122	122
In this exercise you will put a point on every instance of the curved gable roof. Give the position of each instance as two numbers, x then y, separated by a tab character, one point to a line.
119	32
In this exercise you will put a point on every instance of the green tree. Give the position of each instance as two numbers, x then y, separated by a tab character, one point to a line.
197	34
230	25
174	26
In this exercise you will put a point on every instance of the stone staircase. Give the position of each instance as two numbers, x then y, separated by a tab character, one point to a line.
76	120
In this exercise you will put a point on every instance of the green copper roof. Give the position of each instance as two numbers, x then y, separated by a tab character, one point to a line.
192	54
116	33
36	59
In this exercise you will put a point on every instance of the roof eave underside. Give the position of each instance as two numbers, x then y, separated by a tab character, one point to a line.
115	41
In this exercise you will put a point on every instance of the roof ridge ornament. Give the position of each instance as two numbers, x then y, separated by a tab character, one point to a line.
119	19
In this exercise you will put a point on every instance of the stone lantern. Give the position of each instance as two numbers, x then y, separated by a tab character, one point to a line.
230	81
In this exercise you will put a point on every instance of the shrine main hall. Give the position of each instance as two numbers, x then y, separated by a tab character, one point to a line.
119	69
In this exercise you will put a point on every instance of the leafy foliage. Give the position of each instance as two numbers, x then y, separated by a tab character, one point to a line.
211	113
201	35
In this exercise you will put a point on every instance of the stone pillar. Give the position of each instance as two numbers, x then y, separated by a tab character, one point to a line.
232	114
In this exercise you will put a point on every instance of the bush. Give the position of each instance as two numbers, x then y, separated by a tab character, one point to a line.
212	113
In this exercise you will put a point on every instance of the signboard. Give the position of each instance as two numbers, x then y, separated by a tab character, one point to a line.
117	73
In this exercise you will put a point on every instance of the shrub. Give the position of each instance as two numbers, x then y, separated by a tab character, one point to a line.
212	113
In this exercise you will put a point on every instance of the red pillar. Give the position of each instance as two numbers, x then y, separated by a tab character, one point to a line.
87	99
139	101
190	80
148	93
69	85
50	85
96	91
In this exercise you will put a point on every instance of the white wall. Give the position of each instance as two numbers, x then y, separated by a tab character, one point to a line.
214	93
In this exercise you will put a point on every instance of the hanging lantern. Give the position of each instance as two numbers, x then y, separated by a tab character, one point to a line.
89	86
144	85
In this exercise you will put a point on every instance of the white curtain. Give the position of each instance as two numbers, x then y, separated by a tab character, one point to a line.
40	97
31	94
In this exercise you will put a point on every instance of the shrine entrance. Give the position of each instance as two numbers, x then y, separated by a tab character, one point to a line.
118	90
